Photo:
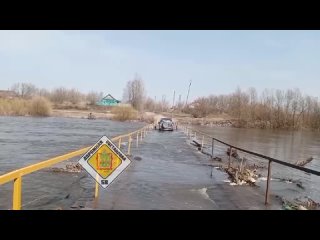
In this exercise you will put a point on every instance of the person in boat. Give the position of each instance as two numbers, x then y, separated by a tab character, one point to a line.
91	116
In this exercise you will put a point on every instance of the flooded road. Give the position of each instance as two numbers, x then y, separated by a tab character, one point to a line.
27	140
168	174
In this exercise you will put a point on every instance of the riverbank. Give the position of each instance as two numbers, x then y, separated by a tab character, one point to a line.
224	120
74	113
79	113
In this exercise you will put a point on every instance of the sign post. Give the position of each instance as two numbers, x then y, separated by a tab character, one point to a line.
104	162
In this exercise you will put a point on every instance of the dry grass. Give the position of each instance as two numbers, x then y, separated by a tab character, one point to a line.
13	107
124	113
40	106
148	117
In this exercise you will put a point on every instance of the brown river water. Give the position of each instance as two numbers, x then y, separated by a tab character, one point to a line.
26	140
289	146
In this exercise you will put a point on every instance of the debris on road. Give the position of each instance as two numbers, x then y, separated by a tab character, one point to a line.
233	152
219	159
238	177
70	168
304	203
304	162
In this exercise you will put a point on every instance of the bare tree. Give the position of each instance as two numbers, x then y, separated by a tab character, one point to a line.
24	90
43	93
279	99
93	97
134	93
201	107
59	95
253	101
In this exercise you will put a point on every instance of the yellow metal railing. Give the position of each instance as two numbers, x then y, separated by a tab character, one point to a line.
16	175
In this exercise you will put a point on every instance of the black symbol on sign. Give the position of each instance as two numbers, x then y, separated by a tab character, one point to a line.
104	181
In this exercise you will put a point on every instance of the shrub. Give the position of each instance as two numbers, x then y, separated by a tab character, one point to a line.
13	107
124	113
40	106
19	107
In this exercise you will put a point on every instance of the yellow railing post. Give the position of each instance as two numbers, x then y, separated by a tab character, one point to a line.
96	191
17	187
129	145
119	144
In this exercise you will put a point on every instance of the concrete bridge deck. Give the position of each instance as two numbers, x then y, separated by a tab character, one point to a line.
167	173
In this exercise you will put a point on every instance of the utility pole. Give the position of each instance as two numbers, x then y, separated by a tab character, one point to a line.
188	92
174	95
163	101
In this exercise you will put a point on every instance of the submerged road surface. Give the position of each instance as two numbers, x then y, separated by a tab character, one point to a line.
167	173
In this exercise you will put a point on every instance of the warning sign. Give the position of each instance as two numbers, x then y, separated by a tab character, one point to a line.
104	161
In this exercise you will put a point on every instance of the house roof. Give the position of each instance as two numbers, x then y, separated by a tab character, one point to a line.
108	97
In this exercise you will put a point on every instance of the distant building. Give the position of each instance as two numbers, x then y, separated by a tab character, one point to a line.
8	94
108	101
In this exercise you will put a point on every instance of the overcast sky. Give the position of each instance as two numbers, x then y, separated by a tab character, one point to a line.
216	61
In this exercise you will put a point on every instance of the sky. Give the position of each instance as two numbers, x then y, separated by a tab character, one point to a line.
217	62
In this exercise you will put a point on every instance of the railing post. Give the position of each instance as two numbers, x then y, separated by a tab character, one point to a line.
137	139
141	135
129	145
96	191
230	157
268	183
212	148
17	187
202	143
119	144
195	135
240	167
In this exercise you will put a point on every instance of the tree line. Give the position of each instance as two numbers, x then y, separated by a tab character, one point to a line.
58	95
277	109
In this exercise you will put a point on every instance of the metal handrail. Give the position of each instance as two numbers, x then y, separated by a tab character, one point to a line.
270	159
263	156
16	175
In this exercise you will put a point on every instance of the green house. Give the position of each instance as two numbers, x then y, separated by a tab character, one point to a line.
108	101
